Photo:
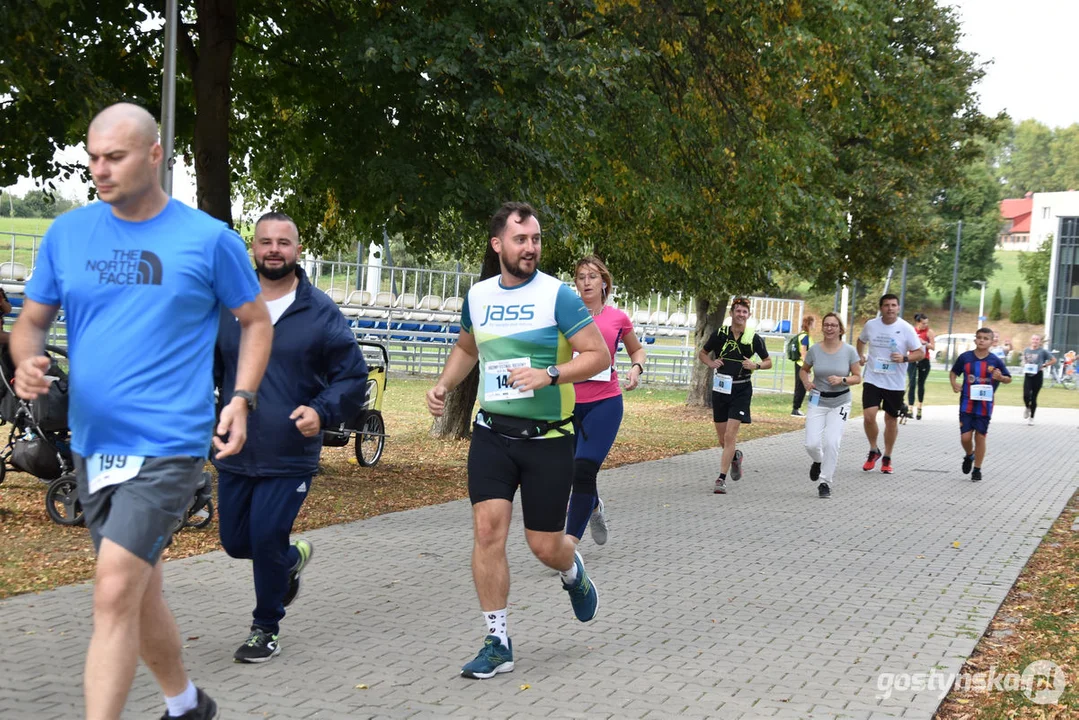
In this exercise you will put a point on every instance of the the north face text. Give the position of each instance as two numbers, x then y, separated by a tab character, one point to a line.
127	267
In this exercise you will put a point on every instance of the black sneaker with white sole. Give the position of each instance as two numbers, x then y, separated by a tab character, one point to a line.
814	472
205	709
259	647
824	491
968	463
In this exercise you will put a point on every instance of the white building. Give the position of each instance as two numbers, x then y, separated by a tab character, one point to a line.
1057	214
1046	212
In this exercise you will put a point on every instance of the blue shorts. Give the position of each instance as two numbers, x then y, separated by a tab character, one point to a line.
969	422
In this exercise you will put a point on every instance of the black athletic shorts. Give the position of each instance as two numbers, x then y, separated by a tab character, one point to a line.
543	468
891	400
734	406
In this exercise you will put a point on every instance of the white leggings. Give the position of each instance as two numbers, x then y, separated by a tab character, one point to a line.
824	433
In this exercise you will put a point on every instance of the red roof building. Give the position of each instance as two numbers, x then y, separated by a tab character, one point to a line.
1015	235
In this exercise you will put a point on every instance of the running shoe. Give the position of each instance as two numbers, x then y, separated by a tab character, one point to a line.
582	594
492	659
824	491
1026	413
598	524
814	471
259	647
976	475
206	709
736	466
919	415
721	486
1031	420
968	463
797	413
307	551
871	460
886	466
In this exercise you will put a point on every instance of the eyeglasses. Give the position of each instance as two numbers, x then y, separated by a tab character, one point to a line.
830	325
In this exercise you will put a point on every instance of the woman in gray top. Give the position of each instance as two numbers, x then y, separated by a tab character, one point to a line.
835	366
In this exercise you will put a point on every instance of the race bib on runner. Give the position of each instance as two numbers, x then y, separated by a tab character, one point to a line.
104	470
982	393
722	384
814	398
601	376
497	380
884	366
1031	369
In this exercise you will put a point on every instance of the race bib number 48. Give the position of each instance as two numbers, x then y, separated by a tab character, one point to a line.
104	470
497	380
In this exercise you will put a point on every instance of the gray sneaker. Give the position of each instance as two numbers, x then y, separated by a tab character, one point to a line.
598	524
721	486
736	466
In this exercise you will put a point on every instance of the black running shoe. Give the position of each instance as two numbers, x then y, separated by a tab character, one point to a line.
259	647
814	472
968	463
824	491
206	709
976	476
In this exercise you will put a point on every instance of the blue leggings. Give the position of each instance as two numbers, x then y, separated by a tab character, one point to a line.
597	427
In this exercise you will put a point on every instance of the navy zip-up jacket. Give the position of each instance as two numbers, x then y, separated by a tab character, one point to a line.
315	361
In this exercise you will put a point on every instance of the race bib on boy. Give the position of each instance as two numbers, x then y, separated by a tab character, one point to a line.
884	366
983	393
496	384
104	470
1031	369
722	384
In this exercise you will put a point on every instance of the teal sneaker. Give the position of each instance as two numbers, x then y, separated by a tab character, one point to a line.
307	551
582	594
493	658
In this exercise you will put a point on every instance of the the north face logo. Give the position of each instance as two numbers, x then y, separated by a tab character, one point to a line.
127	267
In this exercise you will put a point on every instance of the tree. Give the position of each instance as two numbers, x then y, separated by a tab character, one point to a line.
1018	313
1035	312
1034	267
1028	164
995	311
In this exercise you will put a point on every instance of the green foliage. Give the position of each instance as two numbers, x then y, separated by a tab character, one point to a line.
1035	312
1018	313
995	310
1039	159
1034	267
35	204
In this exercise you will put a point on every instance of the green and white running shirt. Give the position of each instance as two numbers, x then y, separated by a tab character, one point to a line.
527	325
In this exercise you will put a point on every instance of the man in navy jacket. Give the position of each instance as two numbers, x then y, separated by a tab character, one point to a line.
316	370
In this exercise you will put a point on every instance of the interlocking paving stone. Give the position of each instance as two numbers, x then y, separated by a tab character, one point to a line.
766	602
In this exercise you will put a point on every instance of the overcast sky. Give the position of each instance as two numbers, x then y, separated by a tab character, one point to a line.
1027	44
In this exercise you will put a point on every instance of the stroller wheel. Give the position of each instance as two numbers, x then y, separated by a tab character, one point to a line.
62	501
370	439
201	517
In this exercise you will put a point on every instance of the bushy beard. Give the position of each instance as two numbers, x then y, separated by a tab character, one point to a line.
516	271
275	273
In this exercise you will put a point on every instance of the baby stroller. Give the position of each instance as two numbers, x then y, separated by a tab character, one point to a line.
39	444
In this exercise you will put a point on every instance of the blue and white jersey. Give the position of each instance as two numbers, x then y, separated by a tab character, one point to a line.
141	302
526	325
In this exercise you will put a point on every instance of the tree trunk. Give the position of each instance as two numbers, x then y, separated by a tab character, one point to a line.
216	24
709	318
456	420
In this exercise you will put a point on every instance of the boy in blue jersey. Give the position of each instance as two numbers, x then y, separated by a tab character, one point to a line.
981	372
523	328
141	278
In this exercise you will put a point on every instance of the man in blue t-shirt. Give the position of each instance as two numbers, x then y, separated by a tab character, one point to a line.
981	372
141	278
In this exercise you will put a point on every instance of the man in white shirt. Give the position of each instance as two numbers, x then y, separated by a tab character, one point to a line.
886	345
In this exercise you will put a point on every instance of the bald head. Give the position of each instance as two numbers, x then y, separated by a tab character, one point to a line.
136	121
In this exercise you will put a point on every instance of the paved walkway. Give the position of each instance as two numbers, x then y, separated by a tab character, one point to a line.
767	602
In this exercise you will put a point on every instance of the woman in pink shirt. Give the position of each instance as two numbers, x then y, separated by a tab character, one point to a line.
598	410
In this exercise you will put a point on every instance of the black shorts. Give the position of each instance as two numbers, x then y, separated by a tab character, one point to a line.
875	397
543	468
734	406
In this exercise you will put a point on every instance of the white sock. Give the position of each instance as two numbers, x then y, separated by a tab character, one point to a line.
185	701
569	577
496	625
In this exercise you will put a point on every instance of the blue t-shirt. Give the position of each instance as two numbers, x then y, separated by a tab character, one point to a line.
977	371
141	301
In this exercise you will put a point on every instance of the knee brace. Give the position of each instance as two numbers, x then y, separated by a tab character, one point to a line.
584	476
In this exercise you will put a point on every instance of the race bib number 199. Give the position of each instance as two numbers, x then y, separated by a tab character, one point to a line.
496	384
104	470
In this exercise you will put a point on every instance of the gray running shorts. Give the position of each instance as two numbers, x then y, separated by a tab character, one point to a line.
141	514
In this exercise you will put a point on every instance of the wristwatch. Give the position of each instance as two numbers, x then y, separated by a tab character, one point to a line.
249	397
553	373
